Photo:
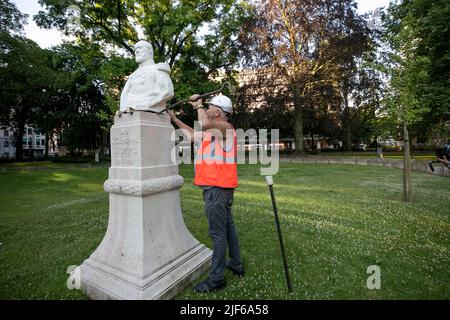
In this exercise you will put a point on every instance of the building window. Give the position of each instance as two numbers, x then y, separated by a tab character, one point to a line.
30	143
6	133
30	131
43	142
38	142
6	144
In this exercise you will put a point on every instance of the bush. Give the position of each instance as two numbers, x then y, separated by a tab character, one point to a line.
328	150
425	149
72	159
7	160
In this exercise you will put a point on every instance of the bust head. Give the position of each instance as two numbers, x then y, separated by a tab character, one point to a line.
143	51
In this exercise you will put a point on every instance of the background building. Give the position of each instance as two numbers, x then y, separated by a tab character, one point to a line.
7	148
33	144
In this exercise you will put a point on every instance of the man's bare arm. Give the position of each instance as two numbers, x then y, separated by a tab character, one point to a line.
181	124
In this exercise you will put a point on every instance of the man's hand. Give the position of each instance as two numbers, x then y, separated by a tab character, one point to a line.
444	160
195	101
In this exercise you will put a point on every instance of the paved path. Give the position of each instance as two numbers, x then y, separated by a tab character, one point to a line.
416	165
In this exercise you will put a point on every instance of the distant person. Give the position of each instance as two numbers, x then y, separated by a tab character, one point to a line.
443	154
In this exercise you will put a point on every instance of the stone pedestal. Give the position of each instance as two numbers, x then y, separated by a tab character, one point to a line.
147	252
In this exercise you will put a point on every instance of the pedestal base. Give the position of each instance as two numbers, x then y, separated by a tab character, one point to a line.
99	283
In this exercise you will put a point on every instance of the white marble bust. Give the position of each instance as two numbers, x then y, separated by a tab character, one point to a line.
150	86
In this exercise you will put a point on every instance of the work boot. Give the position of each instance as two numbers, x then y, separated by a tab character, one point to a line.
206	286
237	273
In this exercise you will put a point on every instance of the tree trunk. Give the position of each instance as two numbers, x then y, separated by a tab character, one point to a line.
407	181
298	121
103	144
298	130
19	145
47	143
348	138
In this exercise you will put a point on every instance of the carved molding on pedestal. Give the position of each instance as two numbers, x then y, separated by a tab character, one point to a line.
145	187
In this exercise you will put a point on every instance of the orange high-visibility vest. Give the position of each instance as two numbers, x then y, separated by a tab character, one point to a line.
215	166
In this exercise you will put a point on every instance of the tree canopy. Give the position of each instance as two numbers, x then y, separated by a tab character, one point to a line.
313	47
315	69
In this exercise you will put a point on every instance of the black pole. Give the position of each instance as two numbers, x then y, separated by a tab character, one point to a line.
280	236
187	100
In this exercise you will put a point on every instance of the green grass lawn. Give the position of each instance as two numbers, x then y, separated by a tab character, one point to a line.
336	219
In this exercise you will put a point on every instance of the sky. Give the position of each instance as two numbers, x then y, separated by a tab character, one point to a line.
49	38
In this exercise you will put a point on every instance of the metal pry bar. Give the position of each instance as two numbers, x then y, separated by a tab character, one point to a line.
200	97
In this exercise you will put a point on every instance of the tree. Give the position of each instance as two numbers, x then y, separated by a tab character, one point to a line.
408	72
25	77
197	38
55	91
11	19
304	42
83	117
430	18
367	97
409	21
172	26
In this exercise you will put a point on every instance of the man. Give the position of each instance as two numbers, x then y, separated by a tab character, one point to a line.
150	86
216	174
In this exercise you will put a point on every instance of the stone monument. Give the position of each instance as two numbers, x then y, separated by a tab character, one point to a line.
147	252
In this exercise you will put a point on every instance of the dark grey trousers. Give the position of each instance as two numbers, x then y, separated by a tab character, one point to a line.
218	202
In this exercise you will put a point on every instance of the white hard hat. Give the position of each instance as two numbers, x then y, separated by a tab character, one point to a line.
222	102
